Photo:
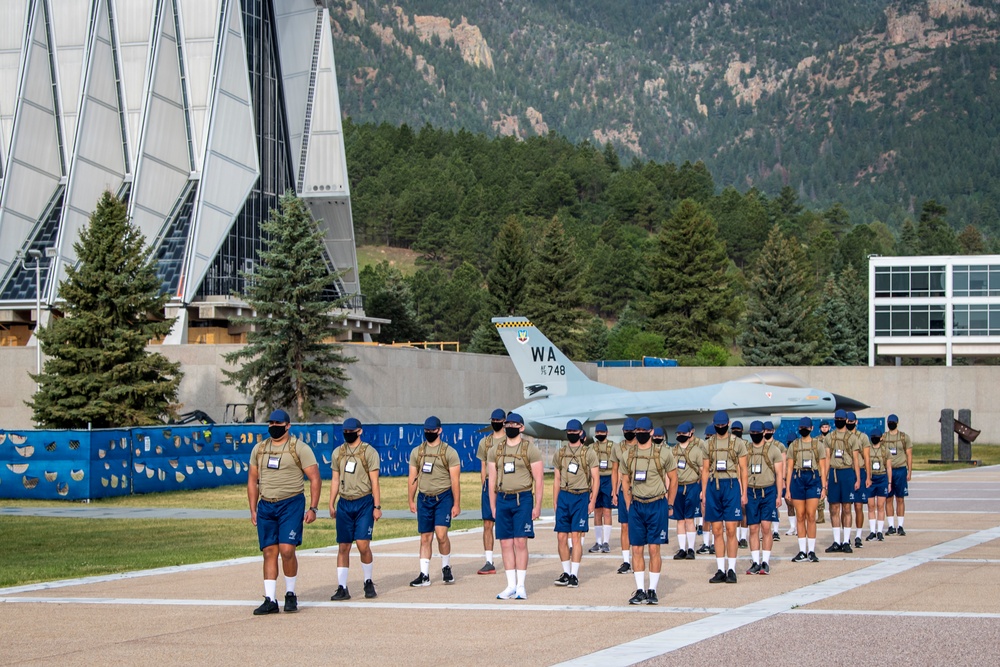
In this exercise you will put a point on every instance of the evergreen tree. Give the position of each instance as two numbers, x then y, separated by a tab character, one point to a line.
388	295
782	326
505	285
934	234
690	298
287	361
971	242
853	287
98	371
909	242
840	347
595	340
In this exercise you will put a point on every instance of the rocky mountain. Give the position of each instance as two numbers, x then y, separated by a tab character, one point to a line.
878	104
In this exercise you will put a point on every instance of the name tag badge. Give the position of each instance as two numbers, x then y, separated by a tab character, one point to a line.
838	453
892	451
351	466
273	462
807	464
682	464
876	465
755	468
721	465
428	466
604	465
508	466
573	468
640	475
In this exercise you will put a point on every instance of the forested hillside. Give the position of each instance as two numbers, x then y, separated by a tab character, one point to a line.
879	105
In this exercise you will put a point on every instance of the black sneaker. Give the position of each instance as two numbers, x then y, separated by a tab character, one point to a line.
846	548
574	581
719	578
605	548
370	589
858	544
489	568
681	554
563	579
711	549
743	544
731	577
341	594
624	568
764	569
651	597
891	531
901	532
800	557
596	549
291	603
690	554
834	549
638	597
703	549
880	537
446	575
268	607
754	569
776	536
812	557
699	530
421	580
871	536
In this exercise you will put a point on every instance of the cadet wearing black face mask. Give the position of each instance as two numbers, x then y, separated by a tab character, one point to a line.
620	453
574	494
602	510
724	489
805	486
490	440
742	531
901	452
766	482
860	443
435	497
880	474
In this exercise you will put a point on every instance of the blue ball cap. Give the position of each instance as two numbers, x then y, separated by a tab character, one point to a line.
877	433
768	426
658	432
574	425
498	415
851	417
601	428
709	430
514	418
629	424
840	414
893	418
684	427
351	424
432	423
805	422
279	416
644	423
738	424
720	418
756	427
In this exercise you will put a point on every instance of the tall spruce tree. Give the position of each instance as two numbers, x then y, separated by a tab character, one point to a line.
854	290
505	283
839	348
98	370
287	362
782	326
690	298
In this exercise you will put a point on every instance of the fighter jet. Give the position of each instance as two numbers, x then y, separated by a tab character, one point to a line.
562	392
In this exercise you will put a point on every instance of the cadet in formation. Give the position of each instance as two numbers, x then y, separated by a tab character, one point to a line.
489	441
574	494
861	444
843	482
880	474
602	510
619	453
901	450
435	497
724	488
689	455
805	486
765	477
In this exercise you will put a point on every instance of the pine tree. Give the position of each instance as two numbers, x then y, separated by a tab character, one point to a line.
853	286
287	362
595	339
98	371
909	242
690	298
839	349
782	326
505	284
388	295
936	237
971	242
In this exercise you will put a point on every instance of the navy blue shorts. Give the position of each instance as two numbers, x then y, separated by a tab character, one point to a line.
762	505
724	503
434	511
899	485
687	502
841	491
355	519
861	495
572	513
622	511
806	484
880	487
514	515
604	493
281	522
648	523
697	511
485	503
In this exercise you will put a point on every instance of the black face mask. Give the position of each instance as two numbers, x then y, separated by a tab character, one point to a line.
768	436
430	436
805	431
852	425
496	426
683	437
738	432
721	430
277	430
840	423
512	431
601	437
629	435
875	439
757	438
643	438
573	437
893	425
657	441
350	437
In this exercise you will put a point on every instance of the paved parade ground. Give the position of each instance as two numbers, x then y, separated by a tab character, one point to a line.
929	598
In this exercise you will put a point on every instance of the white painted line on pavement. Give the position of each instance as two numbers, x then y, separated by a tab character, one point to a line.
894	614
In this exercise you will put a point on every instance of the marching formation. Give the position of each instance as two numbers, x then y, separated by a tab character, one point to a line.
728	489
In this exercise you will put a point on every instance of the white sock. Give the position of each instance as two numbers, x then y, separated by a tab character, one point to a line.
858	534
269	586
607	533
899	521
793	524
654	579
755	556
367	568
627	555
706	538
691	537
682	540
445	560
871	525
342	576
720	563
489	556
891	520
519	578
711	539
802	544
881	527
511	578
565	565
767	556
811	542
425	566
836	535
569	542
574	569
289	584
640	580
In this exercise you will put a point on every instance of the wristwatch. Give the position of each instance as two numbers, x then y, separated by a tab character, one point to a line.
378	507
313	509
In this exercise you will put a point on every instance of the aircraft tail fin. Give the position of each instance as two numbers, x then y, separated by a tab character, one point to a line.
544	369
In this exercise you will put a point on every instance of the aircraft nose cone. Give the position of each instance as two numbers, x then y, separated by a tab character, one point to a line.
849	404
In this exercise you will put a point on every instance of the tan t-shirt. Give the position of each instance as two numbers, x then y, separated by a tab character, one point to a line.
574	464
512	475
620	451
488	443
645	480
840	449
602	450
433	464
760	475
354	463
689	457
897	443
879	457
279	476
802	453
724	453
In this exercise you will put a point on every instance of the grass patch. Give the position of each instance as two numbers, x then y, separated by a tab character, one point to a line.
401	258
988	455
37	549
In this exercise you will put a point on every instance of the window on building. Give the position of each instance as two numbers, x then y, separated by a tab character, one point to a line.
909	320
976	280
909	281
976	320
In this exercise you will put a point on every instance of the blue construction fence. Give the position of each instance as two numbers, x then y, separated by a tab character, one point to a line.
81	465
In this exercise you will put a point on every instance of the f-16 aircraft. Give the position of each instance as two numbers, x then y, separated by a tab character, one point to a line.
562	392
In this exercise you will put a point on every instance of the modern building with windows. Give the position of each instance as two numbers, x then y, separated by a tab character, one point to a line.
945	306
199	114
